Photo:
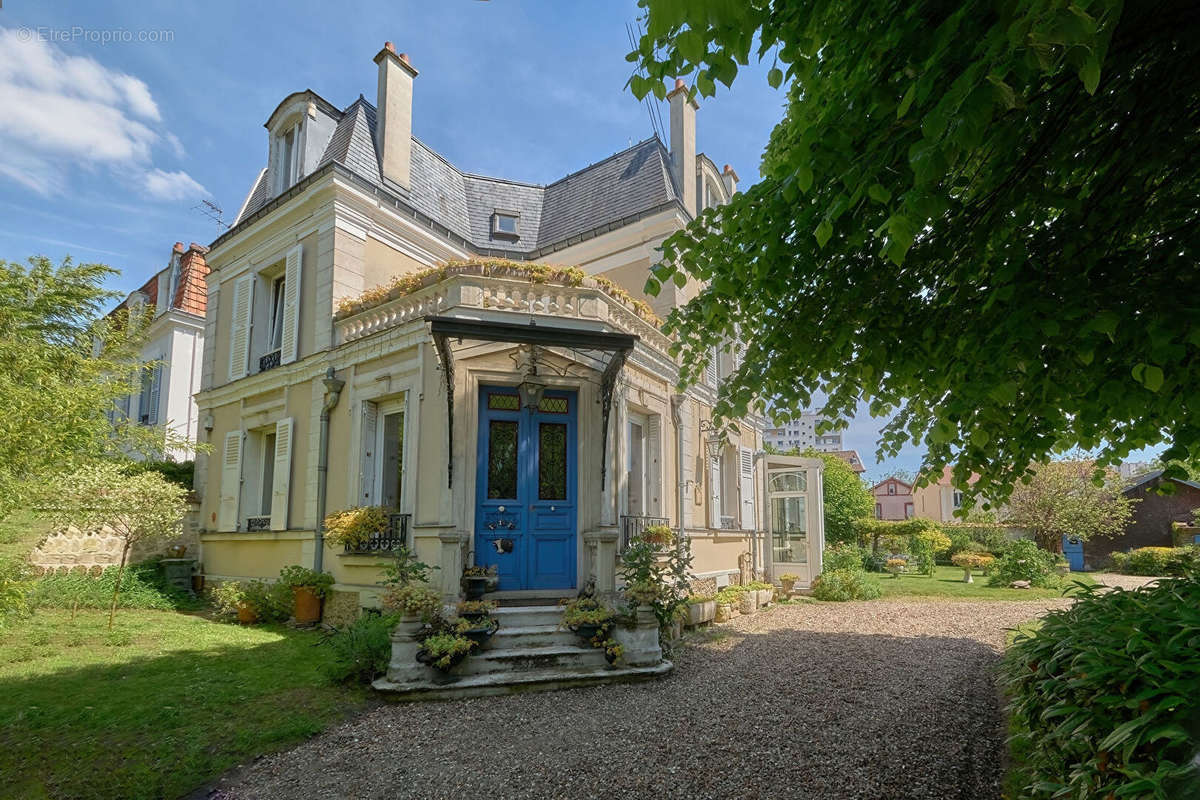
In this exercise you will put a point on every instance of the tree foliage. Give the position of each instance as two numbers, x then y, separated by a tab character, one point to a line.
1061	499
979	216
845	497
62	367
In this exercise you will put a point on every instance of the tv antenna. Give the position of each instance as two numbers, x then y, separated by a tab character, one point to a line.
213	212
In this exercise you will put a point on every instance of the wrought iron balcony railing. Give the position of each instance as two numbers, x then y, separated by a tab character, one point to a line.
386	541
269	361
259	522
632	526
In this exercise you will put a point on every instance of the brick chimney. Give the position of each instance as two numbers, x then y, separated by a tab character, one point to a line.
393	114
683	143
730	178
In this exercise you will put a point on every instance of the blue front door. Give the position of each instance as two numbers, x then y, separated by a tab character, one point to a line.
1073	552
525	489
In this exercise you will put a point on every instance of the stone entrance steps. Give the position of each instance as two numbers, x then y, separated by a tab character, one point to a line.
530	651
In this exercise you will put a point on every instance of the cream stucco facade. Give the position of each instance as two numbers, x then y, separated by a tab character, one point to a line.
418	420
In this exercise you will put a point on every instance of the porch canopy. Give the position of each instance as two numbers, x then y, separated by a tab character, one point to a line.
617	345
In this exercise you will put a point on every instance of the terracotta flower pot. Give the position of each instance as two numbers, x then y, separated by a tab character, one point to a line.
247	615
307	606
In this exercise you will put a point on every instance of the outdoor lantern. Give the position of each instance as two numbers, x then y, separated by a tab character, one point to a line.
714	445
531	391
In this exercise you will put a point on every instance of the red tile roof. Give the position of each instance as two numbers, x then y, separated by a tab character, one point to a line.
851	458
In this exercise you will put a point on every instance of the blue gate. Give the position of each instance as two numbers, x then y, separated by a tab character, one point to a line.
525	510
1073	551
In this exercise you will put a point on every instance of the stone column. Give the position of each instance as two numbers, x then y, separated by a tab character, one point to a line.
602	557
451	563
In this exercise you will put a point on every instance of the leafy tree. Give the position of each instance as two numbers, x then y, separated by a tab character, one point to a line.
139	508
1061	499
980	216
62	367
845	497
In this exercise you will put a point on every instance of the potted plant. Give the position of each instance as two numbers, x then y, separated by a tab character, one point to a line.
788	581
308	589
970	561
895	566
765	592
245	601
476	581
586	616
353	527
444	651
658	535
412	601
477	630
701	609
476	610
612	651
728	601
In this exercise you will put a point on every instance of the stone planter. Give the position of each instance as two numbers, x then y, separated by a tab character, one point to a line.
639	644
788	585
700	613
765	597
749	602
403	669
724	613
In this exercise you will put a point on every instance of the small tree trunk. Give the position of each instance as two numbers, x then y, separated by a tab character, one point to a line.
117	588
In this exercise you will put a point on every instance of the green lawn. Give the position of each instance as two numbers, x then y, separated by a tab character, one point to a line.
947	583
19	533
167	703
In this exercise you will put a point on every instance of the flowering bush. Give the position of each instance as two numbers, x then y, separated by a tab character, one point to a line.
412	599
354	526
895	566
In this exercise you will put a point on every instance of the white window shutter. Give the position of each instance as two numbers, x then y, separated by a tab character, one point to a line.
366	475
710	370
746	461
282	474
714	492
155	393
231	481
654	456
239	336
291	306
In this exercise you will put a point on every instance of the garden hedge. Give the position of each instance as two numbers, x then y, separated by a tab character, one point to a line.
1104	696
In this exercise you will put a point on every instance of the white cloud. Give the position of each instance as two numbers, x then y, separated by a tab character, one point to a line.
173	186
64	113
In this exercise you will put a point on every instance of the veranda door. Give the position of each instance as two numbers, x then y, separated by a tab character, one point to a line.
525	516
795	519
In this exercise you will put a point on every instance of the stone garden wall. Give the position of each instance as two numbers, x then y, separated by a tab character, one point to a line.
73	549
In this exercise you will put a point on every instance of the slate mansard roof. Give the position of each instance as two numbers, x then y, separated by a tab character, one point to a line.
625	186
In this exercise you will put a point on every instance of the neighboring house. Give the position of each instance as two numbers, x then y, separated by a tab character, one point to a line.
1151	518
893	499
506	415
800	434
851	458
173	350
938	501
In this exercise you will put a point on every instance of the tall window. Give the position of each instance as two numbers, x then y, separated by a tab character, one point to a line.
391	466
277	292
268	472
636	464
382	470
286	164
891	488
957	499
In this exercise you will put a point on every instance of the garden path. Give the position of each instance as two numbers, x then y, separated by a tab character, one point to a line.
887	698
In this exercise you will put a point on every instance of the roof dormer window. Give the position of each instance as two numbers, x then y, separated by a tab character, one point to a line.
505	224
287	158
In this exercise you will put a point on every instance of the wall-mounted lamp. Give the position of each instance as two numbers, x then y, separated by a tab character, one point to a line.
715	442
209	424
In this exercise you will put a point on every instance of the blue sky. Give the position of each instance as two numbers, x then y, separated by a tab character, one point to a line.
121	117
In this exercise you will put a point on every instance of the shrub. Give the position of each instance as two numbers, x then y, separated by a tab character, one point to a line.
845	584
844	557
271	602
1103	696
657	573
361	650
142	586
15	586
1158	560
925	544
413	599
354	526
179	472
1119	561
1025	561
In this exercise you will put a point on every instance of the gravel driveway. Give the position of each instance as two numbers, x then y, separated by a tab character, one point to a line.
890	699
